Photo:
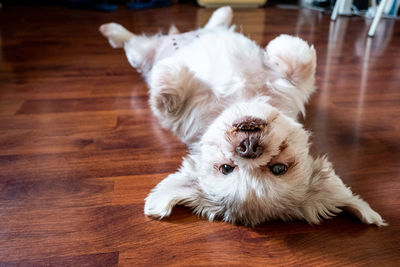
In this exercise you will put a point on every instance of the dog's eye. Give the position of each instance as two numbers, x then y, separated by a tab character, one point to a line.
278	169
226	169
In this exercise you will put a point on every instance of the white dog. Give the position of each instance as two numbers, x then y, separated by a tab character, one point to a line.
235	105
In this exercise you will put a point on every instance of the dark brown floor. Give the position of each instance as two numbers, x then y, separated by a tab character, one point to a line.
80	150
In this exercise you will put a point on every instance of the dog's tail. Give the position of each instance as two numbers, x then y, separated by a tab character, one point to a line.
222	17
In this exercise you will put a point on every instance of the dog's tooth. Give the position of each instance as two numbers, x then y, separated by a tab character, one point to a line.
251	127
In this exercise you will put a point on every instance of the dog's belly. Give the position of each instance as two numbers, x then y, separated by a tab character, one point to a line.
220	57
174	43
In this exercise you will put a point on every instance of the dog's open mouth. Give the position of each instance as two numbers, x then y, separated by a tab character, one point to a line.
248	124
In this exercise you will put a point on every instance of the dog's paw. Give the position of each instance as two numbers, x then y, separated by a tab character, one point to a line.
292	57
372	217
116	34
157	205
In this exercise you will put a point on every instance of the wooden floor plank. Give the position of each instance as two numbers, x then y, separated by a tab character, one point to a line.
99	259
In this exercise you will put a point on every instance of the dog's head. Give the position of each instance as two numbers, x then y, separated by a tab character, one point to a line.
253	140
253	164
254	161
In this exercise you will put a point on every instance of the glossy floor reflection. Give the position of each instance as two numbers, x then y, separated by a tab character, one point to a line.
80	150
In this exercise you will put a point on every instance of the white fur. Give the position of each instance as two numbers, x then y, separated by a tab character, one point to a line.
200	83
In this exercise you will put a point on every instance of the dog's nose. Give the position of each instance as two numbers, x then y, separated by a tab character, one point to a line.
250	148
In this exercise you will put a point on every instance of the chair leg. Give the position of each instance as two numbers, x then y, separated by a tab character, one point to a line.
377	18
336	9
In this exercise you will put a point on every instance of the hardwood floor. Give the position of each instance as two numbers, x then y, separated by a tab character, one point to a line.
80	150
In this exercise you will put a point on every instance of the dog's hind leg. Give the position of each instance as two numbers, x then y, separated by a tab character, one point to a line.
291	63
222	17
292	58
139	49
116	34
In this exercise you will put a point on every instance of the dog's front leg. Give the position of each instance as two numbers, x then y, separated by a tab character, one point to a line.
181	101
177	188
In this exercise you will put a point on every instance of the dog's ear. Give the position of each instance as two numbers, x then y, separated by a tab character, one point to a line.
178	188
327	194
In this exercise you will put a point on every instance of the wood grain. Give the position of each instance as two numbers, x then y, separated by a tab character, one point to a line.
80	149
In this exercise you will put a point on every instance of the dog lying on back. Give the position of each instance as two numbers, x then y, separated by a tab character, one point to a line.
235	105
